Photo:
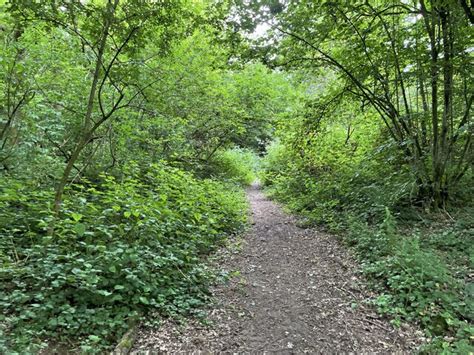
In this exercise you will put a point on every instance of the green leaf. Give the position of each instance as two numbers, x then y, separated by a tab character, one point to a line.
144	300
80	229
104	293
94	338
76	216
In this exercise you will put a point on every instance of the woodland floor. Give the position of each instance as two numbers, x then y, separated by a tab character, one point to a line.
298	291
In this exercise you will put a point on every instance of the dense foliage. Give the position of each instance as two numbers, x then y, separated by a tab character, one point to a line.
380	149
410	62
125	245
125	140
128	129
419	262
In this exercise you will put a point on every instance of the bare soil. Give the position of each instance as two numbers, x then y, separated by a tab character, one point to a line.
298	291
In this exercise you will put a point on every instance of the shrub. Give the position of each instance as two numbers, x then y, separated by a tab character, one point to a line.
414	283
122	247
234	165
276	163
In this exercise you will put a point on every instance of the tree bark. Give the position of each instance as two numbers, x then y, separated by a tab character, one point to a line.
86	129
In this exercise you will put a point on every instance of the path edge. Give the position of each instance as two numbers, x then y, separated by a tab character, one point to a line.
127	341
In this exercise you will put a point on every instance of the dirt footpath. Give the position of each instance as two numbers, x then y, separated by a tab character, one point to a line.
298	292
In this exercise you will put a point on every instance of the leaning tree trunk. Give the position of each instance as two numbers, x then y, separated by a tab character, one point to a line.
86	133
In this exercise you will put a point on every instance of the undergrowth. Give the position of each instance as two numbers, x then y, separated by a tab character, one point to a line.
123	246
234	165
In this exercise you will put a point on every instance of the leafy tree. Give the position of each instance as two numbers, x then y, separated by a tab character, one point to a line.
110	33
104	105
409	61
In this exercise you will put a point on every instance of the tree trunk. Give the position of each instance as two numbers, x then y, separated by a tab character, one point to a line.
86	129
431	20
447	100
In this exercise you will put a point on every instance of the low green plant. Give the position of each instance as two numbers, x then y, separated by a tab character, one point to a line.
122	247
234	165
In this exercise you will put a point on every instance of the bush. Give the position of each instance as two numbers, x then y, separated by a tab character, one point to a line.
414	283
234	165
275	164
122	247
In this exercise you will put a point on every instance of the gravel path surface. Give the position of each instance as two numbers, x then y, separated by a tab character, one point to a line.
298	292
